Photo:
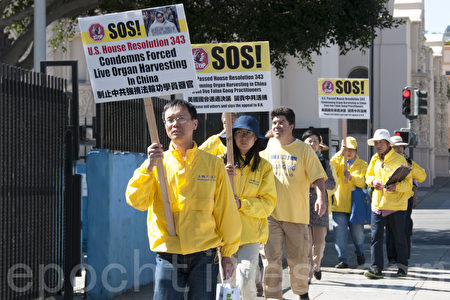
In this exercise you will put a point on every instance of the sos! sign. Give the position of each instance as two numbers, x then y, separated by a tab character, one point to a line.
342	98
350	87
236	57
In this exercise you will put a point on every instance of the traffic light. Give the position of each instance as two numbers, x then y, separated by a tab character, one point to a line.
420	102
407	96
403	133
407	135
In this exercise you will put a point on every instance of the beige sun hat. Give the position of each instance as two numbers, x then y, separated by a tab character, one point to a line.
380	134
398	141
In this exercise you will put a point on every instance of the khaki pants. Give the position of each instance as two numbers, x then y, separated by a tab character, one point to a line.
297	240
318	234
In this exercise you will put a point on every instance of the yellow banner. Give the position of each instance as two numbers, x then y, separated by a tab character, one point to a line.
343	87
231	57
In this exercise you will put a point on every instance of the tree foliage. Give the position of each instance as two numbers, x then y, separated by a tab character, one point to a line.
298	28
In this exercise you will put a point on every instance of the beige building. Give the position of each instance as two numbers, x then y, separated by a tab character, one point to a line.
401	57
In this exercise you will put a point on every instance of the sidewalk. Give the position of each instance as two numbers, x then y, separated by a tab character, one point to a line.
429	272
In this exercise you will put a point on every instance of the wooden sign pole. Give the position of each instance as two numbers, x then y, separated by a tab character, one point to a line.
153	130
229	132
344	145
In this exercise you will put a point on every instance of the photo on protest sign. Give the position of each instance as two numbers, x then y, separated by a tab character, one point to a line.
160	21
233	77
138	54
343	98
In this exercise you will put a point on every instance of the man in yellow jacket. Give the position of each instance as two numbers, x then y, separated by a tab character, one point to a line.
214	144
419	175
389	203
204	211
342	204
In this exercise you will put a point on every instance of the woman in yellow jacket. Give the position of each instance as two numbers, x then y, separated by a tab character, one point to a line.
342	204
255	195
389	204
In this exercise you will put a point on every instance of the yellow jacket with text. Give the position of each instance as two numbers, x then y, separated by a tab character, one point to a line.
343	193
214	145
381	171
202	201
258	195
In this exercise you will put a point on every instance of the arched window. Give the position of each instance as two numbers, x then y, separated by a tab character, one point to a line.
357	126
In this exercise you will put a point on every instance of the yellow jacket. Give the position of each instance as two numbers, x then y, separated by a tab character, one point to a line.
258	195
418	173
381	170
331	192
214	145
343	193
202	201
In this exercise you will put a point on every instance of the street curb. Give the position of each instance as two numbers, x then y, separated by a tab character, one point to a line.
440	182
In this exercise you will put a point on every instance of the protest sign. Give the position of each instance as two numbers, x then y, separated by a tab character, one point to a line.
344	98
233	77
138	54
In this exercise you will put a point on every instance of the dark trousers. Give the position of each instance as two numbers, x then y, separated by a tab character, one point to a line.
396	222
192	274
390	248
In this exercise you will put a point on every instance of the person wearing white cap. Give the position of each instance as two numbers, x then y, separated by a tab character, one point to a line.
342	202
419	175
389	204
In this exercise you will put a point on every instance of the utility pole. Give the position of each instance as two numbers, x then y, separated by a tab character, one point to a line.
39	44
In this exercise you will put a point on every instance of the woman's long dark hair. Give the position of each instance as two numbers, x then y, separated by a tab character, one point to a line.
253	152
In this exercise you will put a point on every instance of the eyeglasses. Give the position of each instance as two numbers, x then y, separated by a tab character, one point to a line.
244	134
171	121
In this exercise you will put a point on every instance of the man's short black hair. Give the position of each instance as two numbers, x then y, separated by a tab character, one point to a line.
311	131
179	102
284	111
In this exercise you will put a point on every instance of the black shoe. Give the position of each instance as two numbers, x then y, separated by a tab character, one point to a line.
402	273
361	259
317	275
341	265
304	296
373	273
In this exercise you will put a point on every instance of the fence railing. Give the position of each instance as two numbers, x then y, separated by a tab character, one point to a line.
122	125
33	122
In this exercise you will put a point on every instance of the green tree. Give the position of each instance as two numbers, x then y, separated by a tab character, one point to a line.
298	28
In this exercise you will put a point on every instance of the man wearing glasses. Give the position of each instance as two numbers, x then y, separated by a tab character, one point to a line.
203	206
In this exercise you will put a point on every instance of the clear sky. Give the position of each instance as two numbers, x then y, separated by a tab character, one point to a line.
437	15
